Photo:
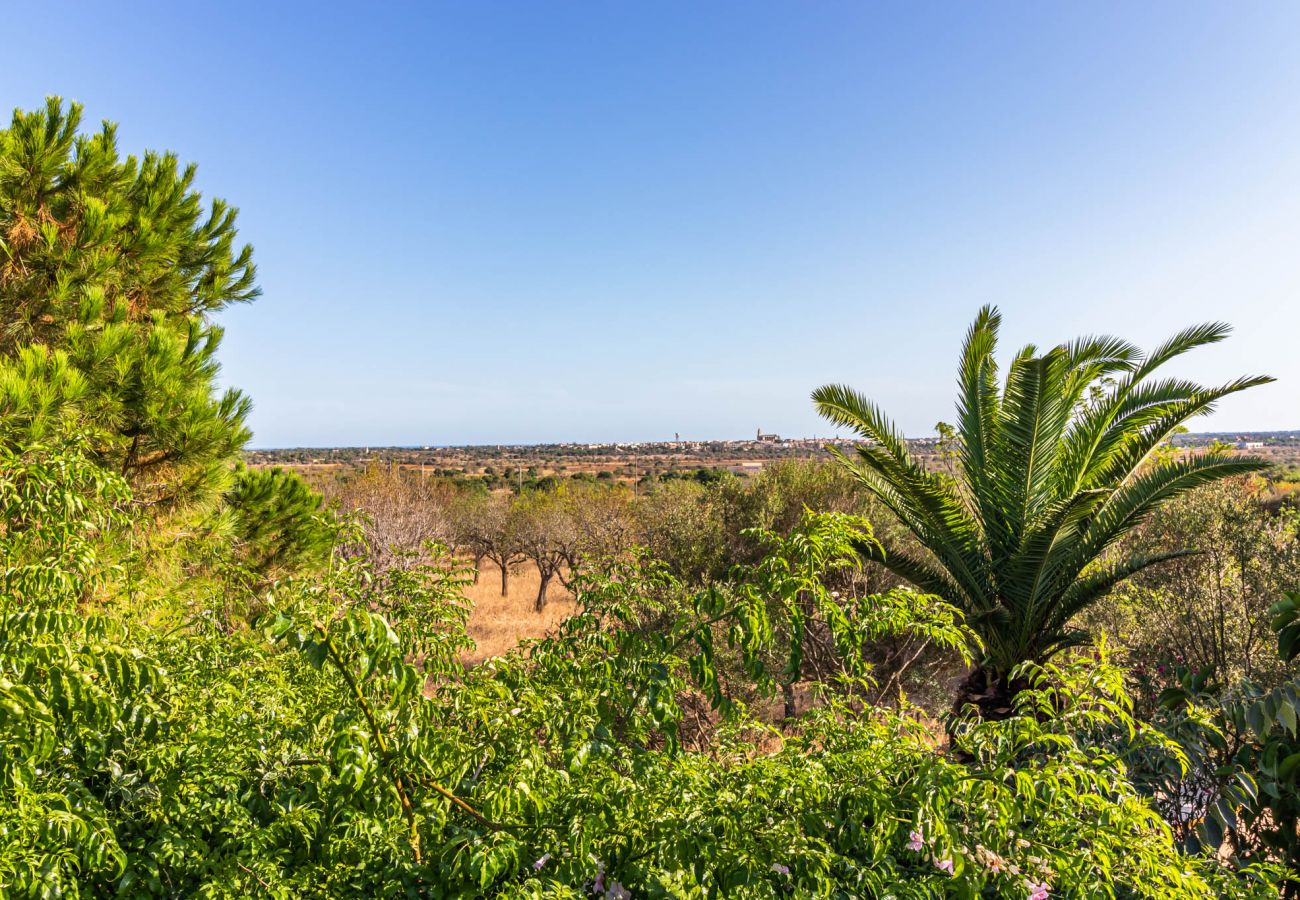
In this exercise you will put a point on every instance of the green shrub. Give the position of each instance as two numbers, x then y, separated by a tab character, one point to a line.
351	755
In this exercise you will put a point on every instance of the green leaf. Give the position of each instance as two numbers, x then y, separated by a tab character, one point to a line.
1288	768
1286	714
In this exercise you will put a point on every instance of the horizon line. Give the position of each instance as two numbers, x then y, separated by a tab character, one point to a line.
712	440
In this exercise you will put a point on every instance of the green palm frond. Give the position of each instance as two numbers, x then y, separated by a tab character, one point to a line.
1135	445
1085	591
1101	429
978	403
849	409
1188	339
1055	469
925	575
1130	503
1100	355
929	507
1035	412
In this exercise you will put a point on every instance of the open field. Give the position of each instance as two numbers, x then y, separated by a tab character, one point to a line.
511	466
503	466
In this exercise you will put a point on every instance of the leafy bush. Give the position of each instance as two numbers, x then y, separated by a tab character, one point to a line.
1245	745
351	755
1210	608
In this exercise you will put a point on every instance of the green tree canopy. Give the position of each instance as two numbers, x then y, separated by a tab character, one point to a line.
111	268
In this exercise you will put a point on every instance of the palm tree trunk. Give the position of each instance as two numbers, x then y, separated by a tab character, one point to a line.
990	692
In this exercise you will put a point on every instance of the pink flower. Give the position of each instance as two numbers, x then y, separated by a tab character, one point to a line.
545	858
780	869
915	842
990	860
946	865
1038	890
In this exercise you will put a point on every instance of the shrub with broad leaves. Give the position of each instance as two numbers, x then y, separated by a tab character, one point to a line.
341	750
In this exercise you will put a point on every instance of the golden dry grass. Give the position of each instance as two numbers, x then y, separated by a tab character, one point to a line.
499	623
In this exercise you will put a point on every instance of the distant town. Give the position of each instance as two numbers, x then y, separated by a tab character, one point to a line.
638	461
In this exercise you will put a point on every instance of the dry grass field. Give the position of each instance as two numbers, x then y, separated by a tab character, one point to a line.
499	623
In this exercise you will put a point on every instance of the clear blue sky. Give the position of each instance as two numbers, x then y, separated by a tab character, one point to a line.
537	221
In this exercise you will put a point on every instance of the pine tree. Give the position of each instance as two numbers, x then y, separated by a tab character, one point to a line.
111	269
278	525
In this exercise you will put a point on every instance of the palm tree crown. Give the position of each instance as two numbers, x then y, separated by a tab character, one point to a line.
1056	463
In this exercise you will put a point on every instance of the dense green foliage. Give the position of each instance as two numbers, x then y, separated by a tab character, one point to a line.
347	754
1056	466
277	524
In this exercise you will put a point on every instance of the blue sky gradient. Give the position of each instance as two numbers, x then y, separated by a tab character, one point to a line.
483	222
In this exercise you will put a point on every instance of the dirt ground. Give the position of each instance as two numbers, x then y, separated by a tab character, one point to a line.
499	623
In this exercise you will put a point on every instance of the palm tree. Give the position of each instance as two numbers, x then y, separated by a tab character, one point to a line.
1055	465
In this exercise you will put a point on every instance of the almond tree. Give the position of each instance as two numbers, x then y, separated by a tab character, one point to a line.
483	526
403	511
602	517
544	525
